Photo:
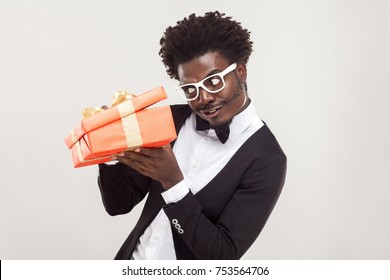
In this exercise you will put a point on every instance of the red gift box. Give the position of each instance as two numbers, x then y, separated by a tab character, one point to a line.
126	126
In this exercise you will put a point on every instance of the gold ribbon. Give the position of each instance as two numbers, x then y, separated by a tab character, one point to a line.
130	125
129	122
118	98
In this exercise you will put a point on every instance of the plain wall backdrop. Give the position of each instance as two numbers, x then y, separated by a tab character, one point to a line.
319	76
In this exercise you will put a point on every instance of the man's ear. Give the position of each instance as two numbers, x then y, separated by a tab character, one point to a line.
241	71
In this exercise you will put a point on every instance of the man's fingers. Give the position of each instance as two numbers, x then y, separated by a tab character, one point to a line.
130	158
131	161
139	162
167	147
144	160
150	152
139	152
139	166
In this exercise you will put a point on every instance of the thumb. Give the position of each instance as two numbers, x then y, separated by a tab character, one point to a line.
168	147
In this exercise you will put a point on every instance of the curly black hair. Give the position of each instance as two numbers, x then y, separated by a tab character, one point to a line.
197	35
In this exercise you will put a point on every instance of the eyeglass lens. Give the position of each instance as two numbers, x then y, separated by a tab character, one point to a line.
212	84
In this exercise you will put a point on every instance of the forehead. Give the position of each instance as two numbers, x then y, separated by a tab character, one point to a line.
202	66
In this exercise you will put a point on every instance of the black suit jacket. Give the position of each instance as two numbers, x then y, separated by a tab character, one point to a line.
223	219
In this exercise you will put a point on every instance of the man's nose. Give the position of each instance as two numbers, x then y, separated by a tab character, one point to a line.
205	97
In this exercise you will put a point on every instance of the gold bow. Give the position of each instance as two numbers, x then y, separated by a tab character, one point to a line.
118	98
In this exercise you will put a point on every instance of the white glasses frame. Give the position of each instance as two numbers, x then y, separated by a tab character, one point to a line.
200	83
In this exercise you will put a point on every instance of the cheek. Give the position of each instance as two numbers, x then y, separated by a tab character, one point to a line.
235	88
235	93
192	104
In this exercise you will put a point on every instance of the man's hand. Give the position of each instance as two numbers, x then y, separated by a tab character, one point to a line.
157	163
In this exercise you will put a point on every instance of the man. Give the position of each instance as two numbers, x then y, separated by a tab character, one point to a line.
211	194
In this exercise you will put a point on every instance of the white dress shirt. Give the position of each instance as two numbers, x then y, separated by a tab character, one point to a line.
200	156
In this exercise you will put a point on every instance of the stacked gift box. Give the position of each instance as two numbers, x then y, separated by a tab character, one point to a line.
127	125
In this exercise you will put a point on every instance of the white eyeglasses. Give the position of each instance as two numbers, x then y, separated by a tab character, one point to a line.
212	84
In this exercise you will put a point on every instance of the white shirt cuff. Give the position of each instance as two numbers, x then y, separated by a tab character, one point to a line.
113	162
175	193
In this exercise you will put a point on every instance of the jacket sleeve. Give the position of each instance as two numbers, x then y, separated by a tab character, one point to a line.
242	219
121	187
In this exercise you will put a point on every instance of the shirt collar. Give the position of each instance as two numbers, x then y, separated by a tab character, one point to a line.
242	121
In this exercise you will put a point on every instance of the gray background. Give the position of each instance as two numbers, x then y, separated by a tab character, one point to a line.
319	77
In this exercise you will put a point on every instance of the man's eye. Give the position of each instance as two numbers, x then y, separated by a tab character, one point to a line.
214	81
189	90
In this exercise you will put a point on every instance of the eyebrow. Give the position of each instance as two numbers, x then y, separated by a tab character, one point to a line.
215	71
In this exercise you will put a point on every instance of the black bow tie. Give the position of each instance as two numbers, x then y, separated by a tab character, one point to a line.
222	132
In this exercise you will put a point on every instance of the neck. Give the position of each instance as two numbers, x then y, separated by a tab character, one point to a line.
245	104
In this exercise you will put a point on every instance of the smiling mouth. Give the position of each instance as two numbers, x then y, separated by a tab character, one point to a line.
212	112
